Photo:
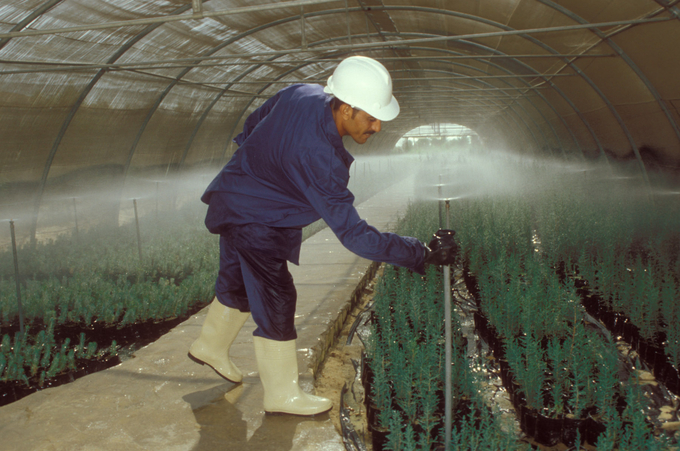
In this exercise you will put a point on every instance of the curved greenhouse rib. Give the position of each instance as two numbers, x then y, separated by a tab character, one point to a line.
537	92
186	70
238	77
39	11
195	131
628	60
507	30
343	11
480	80
498	107
74	109
525	35
160	20
211	52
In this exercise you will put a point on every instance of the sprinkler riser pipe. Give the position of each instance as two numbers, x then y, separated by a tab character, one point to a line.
16	276
448	405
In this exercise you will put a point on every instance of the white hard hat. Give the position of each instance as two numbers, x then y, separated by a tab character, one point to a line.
364	83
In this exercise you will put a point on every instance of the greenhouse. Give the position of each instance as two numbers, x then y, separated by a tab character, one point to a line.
340	225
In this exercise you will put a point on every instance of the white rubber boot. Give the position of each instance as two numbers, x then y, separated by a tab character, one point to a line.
218	333
277	362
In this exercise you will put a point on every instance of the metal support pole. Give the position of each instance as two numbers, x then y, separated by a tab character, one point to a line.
139	237
75	216
16	276
447	320
157	199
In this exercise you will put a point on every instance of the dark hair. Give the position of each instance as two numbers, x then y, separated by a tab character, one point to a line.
337	103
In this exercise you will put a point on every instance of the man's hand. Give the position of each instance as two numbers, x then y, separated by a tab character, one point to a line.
442	249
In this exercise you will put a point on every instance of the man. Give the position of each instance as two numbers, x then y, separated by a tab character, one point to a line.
291	169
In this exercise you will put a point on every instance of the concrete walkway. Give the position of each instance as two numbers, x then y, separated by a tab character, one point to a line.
161	400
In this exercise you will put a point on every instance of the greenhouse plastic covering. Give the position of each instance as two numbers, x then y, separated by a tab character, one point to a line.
104	95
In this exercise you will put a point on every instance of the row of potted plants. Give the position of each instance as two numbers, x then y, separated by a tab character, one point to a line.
560	362
406	364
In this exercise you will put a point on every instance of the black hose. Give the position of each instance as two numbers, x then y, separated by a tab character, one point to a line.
350	437
356	323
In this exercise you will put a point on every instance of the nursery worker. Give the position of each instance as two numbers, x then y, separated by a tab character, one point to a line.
291	169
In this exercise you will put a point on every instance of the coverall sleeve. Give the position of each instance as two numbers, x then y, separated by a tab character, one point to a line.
328	194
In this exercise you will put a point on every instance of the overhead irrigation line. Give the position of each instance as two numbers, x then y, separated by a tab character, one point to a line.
50	66
172	64
141	68
468	90
286	82
383	44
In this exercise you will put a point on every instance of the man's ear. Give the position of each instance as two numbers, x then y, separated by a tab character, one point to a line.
346	111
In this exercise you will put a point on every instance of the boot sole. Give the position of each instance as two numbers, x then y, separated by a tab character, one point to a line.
201	362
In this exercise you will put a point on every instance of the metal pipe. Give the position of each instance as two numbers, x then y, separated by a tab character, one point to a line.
16	275
75	216
139	236
356	46
175	63
394	80
447	320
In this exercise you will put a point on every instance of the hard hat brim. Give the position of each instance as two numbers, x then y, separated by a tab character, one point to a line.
384	114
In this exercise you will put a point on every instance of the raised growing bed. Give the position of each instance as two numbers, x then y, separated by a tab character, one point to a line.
89	301
83	351
652	353
581	397
548	430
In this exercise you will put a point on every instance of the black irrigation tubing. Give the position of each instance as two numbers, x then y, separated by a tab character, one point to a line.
356	324
545	431
350	437
619	324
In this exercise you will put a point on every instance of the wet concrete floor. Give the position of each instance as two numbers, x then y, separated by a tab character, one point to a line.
161	400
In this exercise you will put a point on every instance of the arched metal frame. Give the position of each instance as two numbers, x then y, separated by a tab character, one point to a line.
384	43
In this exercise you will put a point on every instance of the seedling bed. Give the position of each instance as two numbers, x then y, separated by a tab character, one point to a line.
115	343
544	430
403	372
619	325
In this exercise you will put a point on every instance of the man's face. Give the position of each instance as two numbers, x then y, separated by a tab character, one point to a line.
361	126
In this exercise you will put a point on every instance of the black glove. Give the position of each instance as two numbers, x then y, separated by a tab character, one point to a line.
442	249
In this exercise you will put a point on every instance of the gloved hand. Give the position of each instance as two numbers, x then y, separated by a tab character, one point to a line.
442	249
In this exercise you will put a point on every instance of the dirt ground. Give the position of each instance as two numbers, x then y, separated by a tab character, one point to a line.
338	371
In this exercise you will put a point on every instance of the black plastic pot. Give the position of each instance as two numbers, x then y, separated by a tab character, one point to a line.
378	437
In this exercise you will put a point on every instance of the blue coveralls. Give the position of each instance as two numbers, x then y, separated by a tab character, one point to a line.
290	169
